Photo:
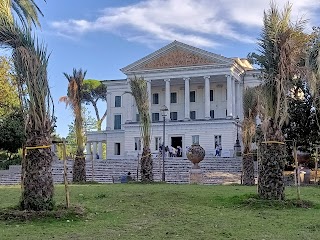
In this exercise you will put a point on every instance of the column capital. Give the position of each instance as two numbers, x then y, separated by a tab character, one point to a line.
166	79
206	77
229	76
186	78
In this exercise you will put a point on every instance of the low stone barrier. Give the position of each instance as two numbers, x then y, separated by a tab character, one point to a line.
216	170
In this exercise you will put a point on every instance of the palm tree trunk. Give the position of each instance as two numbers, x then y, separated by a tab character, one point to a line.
271	165
248	170
79	169
146	166
37	192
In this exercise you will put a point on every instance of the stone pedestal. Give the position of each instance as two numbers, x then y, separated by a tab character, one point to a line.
195	176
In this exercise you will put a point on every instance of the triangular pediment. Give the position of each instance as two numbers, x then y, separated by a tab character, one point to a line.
177	55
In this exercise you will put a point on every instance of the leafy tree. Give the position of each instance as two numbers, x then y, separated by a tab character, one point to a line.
73	99
282	47
302	125
139	91
93	91
12	135
9	98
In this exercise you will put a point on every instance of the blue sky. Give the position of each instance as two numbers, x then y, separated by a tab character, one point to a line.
104	36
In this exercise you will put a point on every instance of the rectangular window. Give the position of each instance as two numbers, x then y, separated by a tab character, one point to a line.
226	112
117	149
212	113
195	139
117	121
217	140
174	116
193	115
137	143
155	98
211	95
157	142
192	96
173	97
117	101
138	117
155	117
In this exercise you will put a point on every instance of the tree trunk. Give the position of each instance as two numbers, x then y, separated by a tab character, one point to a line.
146	166
248	170
37	192
79	169
271	165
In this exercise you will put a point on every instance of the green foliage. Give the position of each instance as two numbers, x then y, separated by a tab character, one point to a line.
12	134
302	125
92	92
9	99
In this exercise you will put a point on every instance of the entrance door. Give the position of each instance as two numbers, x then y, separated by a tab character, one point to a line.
176	142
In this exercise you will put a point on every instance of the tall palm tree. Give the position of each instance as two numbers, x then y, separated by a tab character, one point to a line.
140	94
73	99
282	46
250	102
30	62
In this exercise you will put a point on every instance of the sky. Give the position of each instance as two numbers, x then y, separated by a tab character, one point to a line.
104	36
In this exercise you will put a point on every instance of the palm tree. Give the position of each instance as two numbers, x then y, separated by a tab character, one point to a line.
250	102
30	62
313	63
73	99
282	46
26	10
140	94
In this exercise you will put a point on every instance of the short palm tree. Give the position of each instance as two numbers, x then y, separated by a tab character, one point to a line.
250	102
73	99
282	46
140	94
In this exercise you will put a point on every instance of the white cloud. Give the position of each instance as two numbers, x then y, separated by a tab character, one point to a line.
197	22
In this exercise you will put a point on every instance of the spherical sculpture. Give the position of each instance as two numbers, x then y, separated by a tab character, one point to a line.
195	154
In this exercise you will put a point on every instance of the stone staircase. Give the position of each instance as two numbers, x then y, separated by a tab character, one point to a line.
216	170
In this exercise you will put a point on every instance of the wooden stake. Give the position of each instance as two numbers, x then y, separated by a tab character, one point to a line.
65	174
316	166
297	171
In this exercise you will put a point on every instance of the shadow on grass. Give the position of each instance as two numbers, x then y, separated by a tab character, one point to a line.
59	212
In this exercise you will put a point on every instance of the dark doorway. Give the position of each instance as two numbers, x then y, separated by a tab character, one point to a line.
176	142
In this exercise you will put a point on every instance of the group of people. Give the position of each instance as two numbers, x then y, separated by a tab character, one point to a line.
172	151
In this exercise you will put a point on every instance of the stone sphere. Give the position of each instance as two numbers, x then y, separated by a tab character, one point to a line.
196	154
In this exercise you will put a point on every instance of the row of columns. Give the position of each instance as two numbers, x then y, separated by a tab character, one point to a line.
233	93
96	149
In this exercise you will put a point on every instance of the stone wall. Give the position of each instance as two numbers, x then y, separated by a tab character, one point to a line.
215	170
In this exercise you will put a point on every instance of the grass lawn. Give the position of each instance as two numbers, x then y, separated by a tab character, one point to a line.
165	211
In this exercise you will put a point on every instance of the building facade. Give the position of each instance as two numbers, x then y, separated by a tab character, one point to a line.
201	90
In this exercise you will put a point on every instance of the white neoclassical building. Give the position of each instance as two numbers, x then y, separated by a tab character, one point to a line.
202	91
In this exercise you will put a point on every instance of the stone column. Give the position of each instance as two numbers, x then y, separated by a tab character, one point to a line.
149	95
129	105
109	118
233	97
94	150
100	150
229	96
167	96
88	150
206	97
186	98
238	100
